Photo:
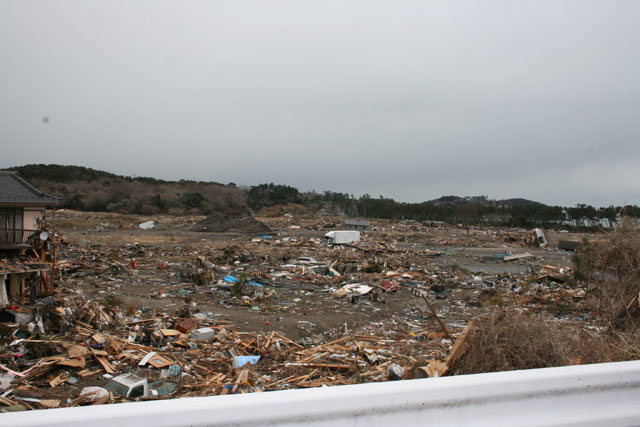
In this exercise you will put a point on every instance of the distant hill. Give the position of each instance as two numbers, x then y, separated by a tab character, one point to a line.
59	173
519	202
93	190
481	201
228	206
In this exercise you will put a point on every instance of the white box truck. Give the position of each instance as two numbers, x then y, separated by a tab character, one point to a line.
343	237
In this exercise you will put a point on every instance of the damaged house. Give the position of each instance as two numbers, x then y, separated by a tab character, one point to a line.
26	258
356	224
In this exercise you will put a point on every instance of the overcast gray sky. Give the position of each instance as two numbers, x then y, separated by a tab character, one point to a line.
407	99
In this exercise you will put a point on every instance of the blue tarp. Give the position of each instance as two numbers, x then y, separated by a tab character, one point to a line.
252	283
231	279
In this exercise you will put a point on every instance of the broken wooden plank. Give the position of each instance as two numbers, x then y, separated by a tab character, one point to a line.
242	378
435	368
50	403
99	353
305	377
282	337
87	372
442	325
284	380
158	361
108	367
146	358
319	365
379	370
77	350
268	343
517	257
458	347
8	402
63	377
75	362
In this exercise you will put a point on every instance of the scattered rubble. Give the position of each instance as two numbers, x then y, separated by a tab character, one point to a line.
231	223
140	315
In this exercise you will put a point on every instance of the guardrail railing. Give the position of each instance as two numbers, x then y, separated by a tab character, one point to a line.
590	395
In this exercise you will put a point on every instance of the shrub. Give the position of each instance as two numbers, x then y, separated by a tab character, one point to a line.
611	267
506	340
192	200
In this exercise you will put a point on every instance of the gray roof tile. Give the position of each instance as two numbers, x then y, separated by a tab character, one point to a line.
14	190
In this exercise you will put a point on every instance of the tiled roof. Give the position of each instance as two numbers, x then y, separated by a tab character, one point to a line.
16	191
356	221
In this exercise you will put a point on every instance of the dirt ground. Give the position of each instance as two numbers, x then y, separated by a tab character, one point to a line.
304	306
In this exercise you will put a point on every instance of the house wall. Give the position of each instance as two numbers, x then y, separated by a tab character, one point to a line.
30	216
356	227
11	224
14	284
4	295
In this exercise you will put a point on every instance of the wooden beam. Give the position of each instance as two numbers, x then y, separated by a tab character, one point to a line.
442	325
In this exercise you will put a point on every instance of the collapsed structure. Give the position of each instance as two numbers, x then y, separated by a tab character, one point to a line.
27	250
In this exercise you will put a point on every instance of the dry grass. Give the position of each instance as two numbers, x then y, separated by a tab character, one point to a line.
611	268
506	340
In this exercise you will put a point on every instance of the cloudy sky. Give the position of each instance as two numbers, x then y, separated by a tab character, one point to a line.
407	99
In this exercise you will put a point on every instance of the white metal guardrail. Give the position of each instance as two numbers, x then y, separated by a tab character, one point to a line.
590	395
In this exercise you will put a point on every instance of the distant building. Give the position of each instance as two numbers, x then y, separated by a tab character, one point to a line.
589	222
356	224
21	205
323	212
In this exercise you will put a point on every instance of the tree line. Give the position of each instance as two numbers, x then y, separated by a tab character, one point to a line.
88	189
451	209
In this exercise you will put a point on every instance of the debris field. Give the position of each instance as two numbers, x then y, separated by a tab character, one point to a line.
255	311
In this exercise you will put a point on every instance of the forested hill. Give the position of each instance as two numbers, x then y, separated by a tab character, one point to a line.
481	201
92	190
88	189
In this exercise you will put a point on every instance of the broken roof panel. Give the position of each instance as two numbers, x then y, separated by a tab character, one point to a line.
356	221
14	190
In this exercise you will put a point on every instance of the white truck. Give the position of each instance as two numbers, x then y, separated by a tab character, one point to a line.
343	237
131	386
